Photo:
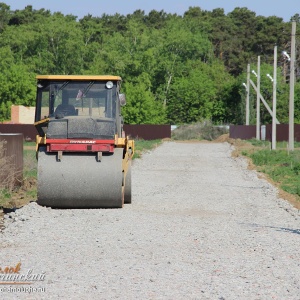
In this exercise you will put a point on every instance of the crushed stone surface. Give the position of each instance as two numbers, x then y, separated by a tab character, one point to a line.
200	226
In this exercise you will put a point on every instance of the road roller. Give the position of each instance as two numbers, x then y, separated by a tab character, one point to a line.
84	156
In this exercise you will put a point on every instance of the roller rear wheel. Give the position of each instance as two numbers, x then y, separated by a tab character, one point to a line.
127	197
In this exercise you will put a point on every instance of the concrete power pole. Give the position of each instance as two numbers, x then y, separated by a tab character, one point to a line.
248	96
292	87
258	100
274	100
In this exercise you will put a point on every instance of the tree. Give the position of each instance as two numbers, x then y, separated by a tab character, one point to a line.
16	82
190	98
27	16
4	16
193	63
200	94
141	107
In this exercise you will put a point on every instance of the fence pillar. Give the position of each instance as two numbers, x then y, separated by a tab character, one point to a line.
11	160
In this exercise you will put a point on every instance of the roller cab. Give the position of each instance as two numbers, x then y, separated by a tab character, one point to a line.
84	156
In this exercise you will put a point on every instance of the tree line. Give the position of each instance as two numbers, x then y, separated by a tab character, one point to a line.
175	68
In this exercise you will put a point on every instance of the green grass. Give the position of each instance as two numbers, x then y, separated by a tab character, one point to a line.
18	196
29	144
268	144
142	145
30	163
5	196
259	143
31	193
282	166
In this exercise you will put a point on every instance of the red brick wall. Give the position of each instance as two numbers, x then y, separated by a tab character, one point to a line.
15	114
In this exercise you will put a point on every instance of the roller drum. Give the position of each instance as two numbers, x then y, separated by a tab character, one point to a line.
79	180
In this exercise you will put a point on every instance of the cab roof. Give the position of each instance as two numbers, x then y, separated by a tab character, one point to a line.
79	77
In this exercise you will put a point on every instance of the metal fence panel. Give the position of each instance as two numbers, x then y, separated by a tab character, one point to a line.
246	132
11	173
146	132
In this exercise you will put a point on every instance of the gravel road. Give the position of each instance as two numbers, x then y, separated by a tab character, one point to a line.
201	226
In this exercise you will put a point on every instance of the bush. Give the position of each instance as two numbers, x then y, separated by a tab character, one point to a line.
198	131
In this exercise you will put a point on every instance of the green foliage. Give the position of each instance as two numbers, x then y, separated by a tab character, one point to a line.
175	68
4	16
16	84
141	108
266	88
201	93
190	98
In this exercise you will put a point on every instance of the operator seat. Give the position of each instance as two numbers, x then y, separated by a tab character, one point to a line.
65	108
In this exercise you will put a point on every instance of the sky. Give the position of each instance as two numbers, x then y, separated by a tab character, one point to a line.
80	8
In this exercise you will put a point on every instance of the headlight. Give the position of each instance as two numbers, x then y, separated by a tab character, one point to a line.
109	84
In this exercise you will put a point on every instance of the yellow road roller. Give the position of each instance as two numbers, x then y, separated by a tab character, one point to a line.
84	156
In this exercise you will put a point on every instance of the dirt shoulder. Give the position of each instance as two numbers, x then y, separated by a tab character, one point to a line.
239	147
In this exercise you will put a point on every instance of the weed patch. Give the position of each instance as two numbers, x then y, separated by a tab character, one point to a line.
281	166
142	145
198	131
16	195
9	175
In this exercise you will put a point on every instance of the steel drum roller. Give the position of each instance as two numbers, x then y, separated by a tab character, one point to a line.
79	180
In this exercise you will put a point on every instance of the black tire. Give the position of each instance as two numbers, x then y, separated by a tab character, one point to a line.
127	196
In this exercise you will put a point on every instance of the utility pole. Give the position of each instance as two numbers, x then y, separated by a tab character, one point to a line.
258	100
292	88
248	96
264	101
274	100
